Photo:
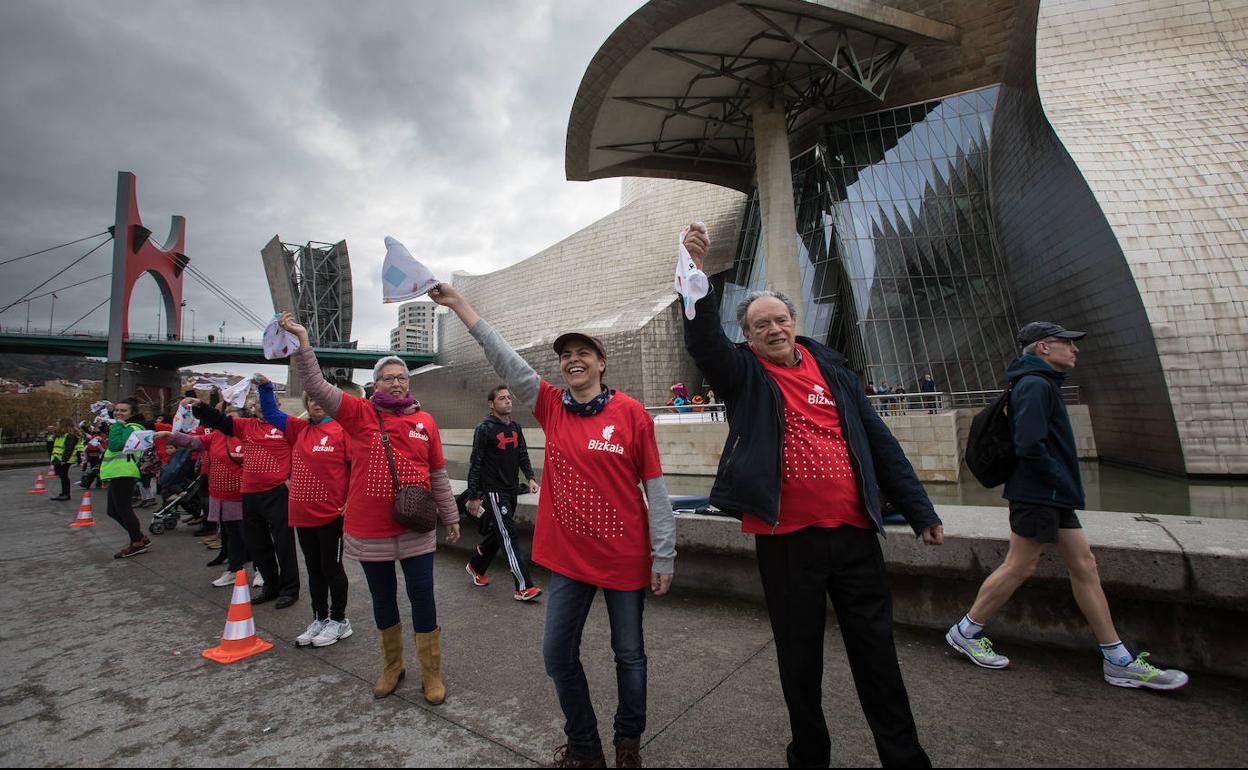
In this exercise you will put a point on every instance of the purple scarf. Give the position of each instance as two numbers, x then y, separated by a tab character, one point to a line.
388	403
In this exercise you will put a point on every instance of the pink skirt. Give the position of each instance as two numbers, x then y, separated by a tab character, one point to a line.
224	510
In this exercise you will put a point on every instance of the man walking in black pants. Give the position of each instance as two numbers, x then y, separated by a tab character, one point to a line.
804	464
498	452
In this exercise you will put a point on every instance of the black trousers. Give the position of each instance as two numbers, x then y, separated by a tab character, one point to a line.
498	525
121	506
327	580
800	571
234	544
271	541
62	472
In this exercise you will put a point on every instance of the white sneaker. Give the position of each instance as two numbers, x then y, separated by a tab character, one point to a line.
307	637
332	631
258	581
225	581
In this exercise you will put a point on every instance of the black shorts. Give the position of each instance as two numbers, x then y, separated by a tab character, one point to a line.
1041	522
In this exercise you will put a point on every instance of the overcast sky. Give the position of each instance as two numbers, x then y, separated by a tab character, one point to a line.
440	123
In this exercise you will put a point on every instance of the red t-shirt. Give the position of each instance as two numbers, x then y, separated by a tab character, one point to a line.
266	455
417	448
592	521
319	464
224	458
817	487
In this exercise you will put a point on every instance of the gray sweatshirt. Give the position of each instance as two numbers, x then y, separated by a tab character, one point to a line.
525	385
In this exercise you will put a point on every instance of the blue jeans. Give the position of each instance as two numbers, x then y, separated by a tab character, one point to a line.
383	584
567	606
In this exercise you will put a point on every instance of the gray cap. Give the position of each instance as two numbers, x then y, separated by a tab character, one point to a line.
1041	330
593	341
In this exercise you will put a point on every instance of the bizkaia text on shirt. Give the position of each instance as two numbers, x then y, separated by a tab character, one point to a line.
274	433
323	446
418	433
818	398
605	445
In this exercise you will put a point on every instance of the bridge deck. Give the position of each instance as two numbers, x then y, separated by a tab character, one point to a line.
175	354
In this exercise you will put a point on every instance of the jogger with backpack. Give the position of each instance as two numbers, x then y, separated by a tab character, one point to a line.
1025	439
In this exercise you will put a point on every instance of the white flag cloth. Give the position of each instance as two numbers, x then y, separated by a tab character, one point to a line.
278	343
208	383
236	394
101	407
691	283
184	421
402	277
139	442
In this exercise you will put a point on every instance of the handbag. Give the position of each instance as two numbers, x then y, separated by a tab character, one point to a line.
414	506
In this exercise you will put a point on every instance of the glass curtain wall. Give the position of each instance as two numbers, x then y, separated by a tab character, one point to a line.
899	264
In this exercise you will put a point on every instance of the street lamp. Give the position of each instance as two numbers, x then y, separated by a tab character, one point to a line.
52	314
192	323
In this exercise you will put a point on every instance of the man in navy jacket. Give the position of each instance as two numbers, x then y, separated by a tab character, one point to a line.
804	465
1043	492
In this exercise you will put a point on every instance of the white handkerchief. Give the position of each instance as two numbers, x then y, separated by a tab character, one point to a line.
691	283
208	383
101	407
236	394
278	343
184	421
139	442
402	277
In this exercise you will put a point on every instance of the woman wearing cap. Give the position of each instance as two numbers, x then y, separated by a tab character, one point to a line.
594	529
371	534
223	456
319	468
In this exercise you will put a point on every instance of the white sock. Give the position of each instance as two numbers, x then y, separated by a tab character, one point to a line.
969	628
1116	653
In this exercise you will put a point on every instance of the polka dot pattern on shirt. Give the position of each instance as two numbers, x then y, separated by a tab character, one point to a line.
378	482
812	451
220	478
259	460
304	483
579	507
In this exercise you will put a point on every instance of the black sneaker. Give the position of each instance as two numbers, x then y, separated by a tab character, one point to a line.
264	596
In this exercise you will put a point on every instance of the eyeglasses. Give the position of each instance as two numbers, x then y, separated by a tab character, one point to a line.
390	379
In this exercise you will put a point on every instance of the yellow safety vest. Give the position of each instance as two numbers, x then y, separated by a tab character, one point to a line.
58	449
117	465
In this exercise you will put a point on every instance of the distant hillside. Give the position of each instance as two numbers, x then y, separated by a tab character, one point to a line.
38	369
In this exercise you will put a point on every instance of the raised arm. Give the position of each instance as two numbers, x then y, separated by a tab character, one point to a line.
515	371
309	371
269	407
710	348
181	440
213	418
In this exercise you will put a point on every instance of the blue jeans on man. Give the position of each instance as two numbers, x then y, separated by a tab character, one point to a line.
567	606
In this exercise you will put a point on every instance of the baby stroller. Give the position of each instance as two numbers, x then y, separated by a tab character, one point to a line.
179	485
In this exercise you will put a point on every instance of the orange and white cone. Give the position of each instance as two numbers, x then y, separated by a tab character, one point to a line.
85	519
39	489
239	639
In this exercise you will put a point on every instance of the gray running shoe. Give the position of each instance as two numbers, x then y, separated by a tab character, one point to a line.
307	637
979	650
331	632
1141	673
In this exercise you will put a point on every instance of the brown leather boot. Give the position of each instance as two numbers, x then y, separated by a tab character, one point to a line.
429	650
628	753
565	758
392	671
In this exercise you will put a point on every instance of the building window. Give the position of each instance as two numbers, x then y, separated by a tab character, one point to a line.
899	265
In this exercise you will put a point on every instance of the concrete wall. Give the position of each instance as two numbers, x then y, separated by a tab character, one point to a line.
1178	586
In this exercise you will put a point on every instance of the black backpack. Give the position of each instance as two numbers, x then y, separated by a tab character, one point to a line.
990	446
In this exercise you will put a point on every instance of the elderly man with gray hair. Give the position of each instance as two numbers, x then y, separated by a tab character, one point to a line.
804	463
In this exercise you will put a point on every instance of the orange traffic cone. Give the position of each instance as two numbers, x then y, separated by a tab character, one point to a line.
239	639
85	519
39	489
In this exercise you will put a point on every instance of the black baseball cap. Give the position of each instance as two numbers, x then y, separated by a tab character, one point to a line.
1041	330
594	342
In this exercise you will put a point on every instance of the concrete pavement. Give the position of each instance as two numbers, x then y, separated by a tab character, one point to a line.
101	665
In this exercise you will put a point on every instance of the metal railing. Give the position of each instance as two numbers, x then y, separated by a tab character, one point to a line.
885	405
689	413
212	339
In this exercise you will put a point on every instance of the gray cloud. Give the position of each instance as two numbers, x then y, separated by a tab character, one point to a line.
441	124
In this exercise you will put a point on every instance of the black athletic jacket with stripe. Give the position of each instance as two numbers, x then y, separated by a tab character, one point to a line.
499	452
